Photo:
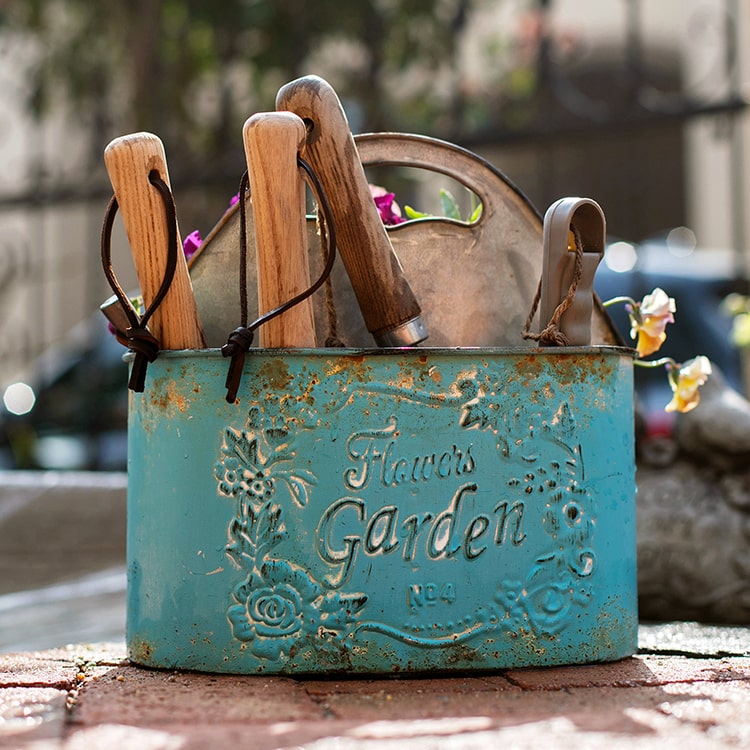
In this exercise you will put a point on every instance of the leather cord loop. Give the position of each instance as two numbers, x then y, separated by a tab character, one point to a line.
137	336
240	340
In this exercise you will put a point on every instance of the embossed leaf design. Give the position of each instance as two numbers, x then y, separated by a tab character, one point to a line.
245	449
563	426
255	535
284	572
241	548
338	610
298	482
277	437
255	417
475	413
268	529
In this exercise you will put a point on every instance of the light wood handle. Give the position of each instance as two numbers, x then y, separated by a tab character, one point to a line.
272	142
129	161
388	304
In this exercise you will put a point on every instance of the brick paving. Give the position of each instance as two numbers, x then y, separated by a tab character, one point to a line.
688	687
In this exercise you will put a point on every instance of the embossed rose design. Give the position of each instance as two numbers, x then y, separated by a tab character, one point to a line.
549	603
275	608
279	610
273	611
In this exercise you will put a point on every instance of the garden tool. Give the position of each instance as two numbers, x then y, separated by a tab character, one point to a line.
388	304
474	279
136	165
272	142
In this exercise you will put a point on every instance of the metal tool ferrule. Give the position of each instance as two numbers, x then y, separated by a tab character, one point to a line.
410	333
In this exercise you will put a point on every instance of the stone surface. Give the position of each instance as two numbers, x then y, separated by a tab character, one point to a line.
131	695
679	692
693	513
641	671
693	531
718	432
56	526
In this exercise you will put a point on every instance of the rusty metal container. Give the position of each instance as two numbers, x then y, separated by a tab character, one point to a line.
382	511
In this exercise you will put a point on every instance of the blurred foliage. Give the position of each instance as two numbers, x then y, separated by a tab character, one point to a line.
193	70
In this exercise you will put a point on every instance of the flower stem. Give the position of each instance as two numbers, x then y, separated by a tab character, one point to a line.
618	300
662	362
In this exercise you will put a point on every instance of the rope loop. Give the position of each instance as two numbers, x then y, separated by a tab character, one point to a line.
551	335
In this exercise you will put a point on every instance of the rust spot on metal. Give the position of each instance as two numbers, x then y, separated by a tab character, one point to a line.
167	396
354	366
275	374
462	655
529	366
532	641
140	651
307	383
580	368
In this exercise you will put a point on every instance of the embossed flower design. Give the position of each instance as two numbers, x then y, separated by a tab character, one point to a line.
274	609
544	602
253	463
230	473
279	609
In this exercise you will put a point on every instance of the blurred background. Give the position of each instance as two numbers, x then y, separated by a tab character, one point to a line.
639	105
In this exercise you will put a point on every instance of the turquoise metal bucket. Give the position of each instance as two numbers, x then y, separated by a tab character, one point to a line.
383	511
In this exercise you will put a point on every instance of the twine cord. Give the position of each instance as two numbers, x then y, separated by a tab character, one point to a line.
551	335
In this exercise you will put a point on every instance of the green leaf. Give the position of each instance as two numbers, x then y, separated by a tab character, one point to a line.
476	213
449	206
413	214
741	330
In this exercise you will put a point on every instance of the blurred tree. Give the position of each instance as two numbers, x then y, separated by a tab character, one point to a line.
193	70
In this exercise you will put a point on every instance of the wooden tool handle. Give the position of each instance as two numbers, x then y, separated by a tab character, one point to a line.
388	304
129	161
272	142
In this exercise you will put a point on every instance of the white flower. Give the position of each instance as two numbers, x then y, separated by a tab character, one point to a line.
649	320
690	376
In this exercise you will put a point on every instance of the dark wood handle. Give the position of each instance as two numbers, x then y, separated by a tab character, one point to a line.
388	304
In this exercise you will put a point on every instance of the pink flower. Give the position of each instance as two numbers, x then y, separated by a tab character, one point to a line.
191	243
389	210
